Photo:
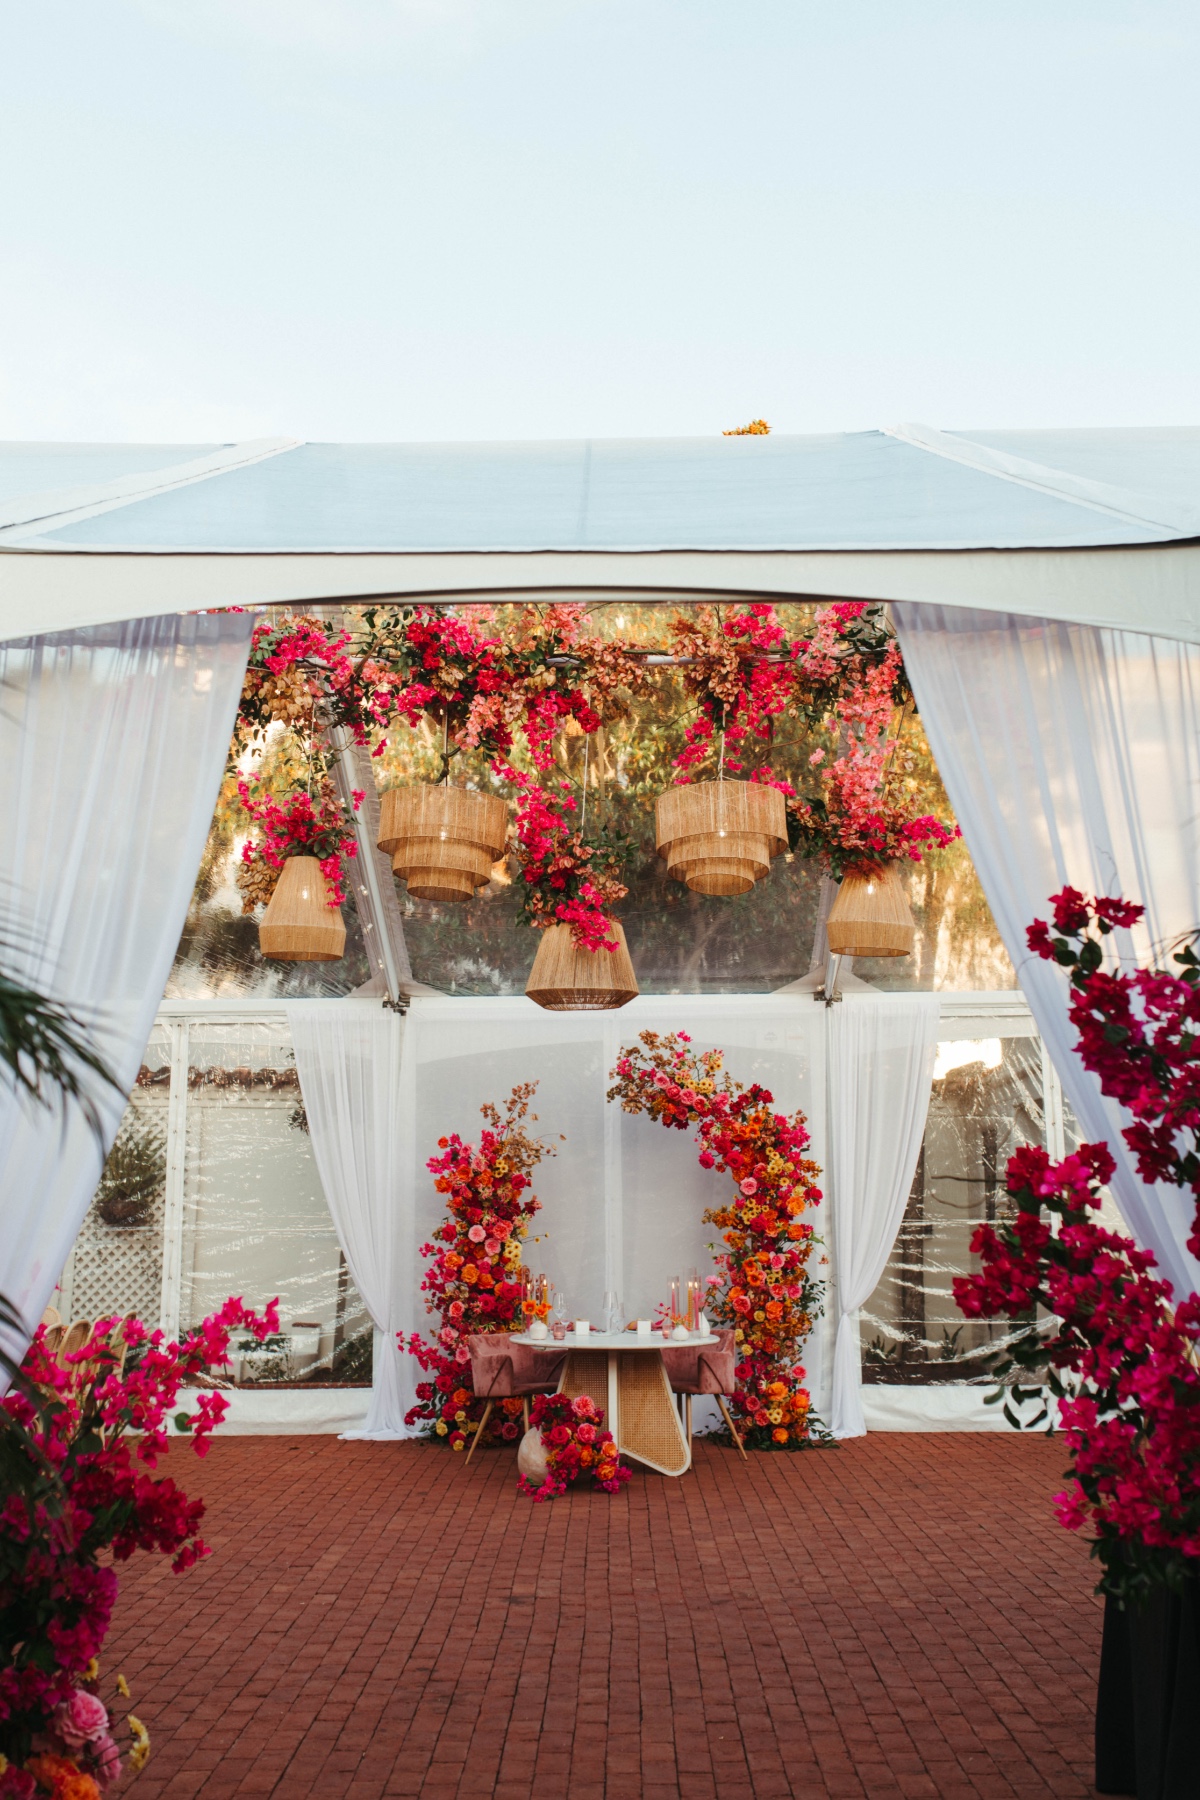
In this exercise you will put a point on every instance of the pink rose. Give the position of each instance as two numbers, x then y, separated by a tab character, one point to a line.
583	1407
107	1760
80	1719
586	1434
17	1784
477	1234
462	1354
492	1246
456	1309
749	1186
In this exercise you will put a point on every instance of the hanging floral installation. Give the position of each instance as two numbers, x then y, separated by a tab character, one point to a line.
566	878
765	1291
474	1279
1096	1325
303	824
576	1446
548	668
79	1436
496	686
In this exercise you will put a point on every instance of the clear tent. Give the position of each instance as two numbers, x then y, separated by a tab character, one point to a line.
1097	528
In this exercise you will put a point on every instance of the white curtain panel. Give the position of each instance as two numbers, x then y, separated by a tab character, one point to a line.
113	742
880	1075
349	1057
1072	754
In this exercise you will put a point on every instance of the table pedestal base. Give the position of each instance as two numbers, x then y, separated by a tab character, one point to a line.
639	1407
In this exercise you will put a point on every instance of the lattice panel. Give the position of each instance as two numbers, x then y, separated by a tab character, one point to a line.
118	1268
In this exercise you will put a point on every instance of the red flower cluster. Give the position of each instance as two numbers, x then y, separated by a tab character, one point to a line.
565	878
299	826
547	669
766	1292
474	1282
1138	1033
740	674
575	1444
77	1486
1122	1364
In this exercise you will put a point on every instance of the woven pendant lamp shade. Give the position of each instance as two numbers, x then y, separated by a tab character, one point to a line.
565	978
442	840
871	916
719	836
299	925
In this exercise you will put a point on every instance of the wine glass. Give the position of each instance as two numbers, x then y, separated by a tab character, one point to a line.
614	1318
558	1307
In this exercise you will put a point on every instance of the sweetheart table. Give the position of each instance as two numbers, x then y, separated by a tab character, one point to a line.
626	1376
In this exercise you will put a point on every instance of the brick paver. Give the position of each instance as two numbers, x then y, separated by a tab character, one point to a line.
894	1619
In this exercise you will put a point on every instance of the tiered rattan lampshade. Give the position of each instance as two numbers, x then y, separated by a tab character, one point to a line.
442	840
299	924
719	836
565	978
871	916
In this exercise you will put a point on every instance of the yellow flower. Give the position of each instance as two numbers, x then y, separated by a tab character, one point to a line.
759	1317
92	1670
441	1428
457	1444
122	1687
459	1416
738	1335
139	1756
775	1415
3	1762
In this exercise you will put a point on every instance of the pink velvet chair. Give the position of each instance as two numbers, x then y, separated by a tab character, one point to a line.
705	1369
502	1370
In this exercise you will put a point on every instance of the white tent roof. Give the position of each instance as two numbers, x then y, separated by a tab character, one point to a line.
1092	525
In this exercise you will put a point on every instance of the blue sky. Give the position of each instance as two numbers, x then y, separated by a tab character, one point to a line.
382	219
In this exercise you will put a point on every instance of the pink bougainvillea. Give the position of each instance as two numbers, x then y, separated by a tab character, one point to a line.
303	824
81	1435
1101	1328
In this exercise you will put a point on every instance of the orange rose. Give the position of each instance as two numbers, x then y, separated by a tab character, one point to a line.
470	1274
780	1435
513	1405
460	1396
774	1309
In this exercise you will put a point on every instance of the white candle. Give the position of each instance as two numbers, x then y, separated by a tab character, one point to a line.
582	1328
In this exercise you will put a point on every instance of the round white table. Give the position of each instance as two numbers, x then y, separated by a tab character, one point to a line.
626	1376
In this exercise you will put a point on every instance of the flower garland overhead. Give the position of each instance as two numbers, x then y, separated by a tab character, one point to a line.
474	1278
79	1437
765	1292
576	1445
548	668
1099	1327
853	803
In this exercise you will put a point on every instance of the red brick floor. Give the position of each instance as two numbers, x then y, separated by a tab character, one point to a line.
897	1618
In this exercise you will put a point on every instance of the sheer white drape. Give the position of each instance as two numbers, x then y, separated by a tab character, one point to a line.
349	1057
113	741
881	1055
1072	754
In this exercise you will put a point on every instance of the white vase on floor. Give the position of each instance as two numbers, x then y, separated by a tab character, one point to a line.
531	1458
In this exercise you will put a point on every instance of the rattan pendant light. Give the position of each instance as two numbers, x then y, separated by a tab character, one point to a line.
719	836
442	840
299	924
565	978
871	916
